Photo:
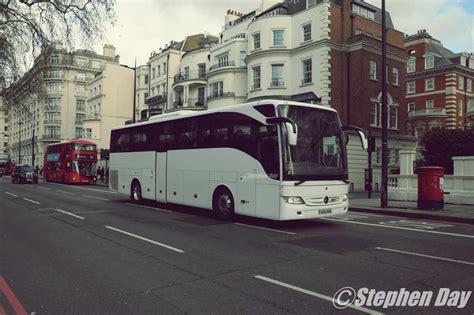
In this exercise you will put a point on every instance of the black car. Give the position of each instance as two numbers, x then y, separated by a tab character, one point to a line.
24	174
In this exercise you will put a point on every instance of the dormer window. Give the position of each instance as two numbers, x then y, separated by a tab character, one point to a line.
429	62
362	11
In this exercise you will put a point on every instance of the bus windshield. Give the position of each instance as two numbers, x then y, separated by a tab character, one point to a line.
320	151
84	168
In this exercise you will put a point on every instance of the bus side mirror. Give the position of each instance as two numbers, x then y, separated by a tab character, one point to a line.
360	133
292	133
290	127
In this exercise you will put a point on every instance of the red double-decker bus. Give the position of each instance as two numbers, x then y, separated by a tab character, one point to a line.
71	162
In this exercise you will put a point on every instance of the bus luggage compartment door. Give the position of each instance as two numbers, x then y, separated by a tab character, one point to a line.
160	176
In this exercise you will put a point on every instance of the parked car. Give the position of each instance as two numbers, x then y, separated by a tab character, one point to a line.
24	174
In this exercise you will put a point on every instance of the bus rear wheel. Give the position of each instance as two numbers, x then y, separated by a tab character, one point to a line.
223	204
136	191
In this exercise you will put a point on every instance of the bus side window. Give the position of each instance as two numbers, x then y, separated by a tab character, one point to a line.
188	136
166	136
120	140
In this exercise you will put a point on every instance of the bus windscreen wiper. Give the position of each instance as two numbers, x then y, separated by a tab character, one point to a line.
300	182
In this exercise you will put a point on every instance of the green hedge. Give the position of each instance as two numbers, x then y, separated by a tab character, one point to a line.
440	145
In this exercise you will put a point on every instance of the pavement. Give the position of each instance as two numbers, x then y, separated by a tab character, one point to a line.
86	250
359	202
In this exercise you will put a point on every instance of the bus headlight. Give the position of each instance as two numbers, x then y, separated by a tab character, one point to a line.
294	200
344	198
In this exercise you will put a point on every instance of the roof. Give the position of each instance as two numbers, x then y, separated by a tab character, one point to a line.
77	141
197	41
444	54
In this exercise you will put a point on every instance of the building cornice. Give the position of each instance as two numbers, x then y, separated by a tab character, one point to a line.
363	45
441	70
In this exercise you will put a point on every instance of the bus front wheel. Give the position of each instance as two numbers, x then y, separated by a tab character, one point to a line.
136	191
223	204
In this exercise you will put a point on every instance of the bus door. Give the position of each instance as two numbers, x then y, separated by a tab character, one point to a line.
245	203
160	176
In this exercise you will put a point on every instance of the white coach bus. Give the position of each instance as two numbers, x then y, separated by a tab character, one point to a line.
270	159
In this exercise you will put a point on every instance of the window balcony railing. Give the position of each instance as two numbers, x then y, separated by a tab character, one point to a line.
92	116
52	108
219	94
427	112
191	75
196	102
277	83
52	121
222	64
80	108
54	75
51	136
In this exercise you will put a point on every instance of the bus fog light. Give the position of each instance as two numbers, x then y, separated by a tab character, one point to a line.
293	200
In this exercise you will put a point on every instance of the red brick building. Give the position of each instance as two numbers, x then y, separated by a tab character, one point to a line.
356	80
439	86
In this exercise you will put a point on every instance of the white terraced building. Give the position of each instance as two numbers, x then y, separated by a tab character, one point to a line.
324	52
69	107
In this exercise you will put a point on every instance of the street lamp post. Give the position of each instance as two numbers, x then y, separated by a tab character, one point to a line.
384	196
33	149
19	143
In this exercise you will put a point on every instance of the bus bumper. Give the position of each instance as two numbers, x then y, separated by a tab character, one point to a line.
304	211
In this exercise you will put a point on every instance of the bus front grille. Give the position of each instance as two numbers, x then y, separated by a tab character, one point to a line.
114	179
319	201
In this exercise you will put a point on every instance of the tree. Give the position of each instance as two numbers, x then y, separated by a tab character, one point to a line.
441	145
30	26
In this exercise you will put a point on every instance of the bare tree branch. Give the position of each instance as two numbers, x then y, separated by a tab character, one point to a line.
29	26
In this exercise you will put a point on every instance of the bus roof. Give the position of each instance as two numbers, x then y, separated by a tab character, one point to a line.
77	141
230	108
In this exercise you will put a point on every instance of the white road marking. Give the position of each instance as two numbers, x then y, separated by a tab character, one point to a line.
11	194
145	239
315	294
416	224
65	192
85	188
427	256
158	209
399	228
32	201
71	214
43	188
98	198
267	229
349	217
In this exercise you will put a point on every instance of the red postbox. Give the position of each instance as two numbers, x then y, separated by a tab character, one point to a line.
430	188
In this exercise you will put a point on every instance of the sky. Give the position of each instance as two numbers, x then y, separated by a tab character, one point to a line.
144	26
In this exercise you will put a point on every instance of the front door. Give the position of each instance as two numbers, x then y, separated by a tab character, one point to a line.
245	201
161	164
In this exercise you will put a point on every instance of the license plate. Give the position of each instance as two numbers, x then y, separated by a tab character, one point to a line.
325	211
